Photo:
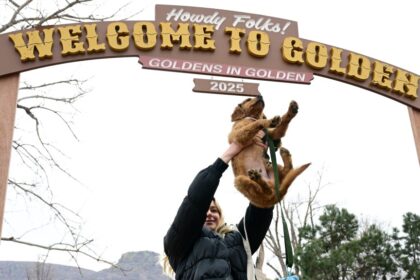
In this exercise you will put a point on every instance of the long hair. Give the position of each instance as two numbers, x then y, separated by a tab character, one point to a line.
221	229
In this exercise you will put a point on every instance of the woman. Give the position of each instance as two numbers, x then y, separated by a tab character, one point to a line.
199	245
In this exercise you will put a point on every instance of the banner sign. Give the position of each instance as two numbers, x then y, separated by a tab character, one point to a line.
220	69
210	42
226	87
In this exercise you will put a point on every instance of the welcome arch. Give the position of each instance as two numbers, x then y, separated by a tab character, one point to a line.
196	40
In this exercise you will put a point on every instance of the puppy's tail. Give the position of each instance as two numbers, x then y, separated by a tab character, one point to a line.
289	178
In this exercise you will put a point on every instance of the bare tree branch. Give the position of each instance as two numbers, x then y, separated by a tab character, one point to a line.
38	112
79	18
292	212
53	206
79	249
274	268
59	115
13	20
272	240
47	146
31	159
38	155
71	81
23	16
57	13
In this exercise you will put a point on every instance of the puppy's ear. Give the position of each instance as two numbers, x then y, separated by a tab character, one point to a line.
238	114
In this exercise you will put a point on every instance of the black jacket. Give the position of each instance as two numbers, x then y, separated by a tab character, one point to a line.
195	252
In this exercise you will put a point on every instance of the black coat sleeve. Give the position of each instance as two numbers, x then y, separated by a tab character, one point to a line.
257	221
189	220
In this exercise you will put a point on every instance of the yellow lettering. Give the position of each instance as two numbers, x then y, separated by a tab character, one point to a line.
202	37
358	67
336	61
92	39
168	36
145	35
235	39
258	43
27	51
381	75
316	55
406	84
292	50
118	36
69	38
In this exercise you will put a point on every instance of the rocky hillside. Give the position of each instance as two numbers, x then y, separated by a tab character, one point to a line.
134	266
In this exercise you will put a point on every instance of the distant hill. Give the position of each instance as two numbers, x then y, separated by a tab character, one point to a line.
143	265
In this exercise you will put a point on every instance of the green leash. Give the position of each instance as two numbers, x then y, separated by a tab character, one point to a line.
287	242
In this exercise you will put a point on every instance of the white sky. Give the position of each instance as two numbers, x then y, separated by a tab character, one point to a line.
144	134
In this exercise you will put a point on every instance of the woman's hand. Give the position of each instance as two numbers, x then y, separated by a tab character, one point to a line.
258	139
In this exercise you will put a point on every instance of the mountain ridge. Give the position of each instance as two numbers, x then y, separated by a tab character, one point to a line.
139	265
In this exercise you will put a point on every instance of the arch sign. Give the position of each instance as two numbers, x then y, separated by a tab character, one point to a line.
196	40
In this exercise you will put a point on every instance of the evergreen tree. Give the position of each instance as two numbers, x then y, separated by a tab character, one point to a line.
326	251
409	256
375	255
335	249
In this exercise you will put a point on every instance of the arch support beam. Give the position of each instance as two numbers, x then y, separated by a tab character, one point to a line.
9	86
415	125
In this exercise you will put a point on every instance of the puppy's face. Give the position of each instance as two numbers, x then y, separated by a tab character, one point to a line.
250	107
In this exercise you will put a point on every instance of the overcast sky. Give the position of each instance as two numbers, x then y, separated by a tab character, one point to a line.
144	134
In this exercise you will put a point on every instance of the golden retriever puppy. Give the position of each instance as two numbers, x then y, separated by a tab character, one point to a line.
254	175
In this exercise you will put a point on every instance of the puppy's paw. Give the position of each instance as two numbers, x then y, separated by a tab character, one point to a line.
284	152
275	121
254	174
293	107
